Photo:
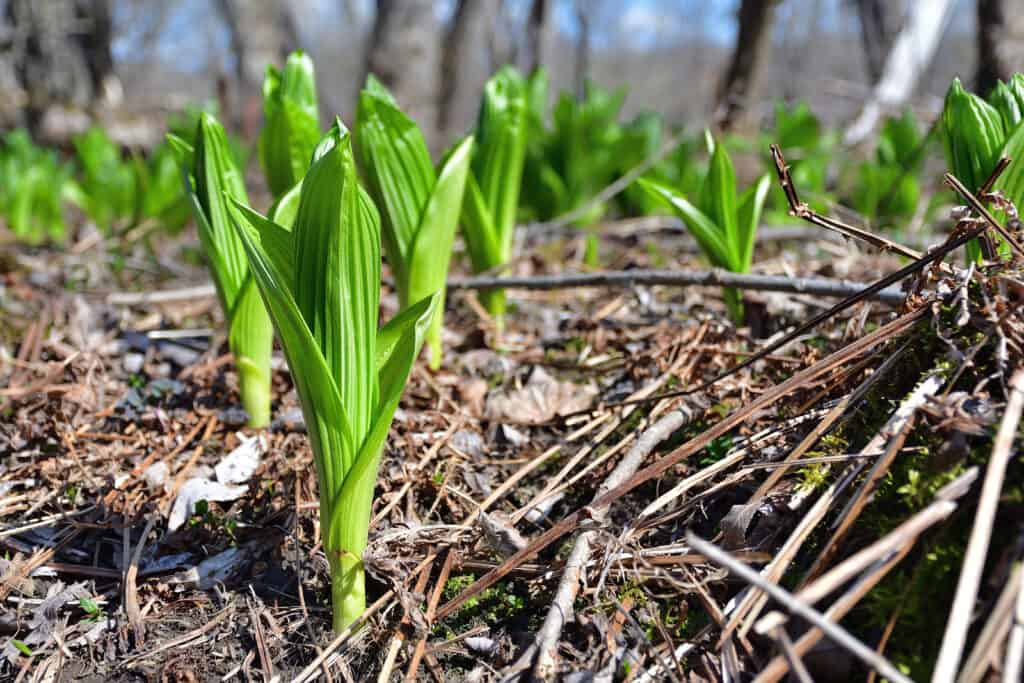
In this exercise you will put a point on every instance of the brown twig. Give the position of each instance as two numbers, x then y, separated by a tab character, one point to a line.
959	619
703	278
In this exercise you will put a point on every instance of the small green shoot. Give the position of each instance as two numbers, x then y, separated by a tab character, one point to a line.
724	224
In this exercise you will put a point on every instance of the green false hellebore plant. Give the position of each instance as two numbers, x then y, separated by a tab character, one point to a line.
321	285
419	207
492	190
291	127
212	180
973	135
723	224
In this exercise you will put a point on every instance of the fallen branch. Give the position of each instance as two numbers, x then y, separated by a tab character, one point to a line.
708	278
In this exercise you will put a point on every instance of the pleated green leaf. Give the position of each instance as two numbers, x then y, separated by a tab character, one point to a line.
708	235
718	201
435	236
337	274
212	182
501	151
404	338
1011	181
748	217
396	163
478	229
1004	101
973	135
217	179
251	339
326	420
284	208
291	127
276	241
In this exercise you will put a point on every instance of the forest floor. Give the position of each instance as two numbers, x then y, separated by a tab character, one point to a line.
542	498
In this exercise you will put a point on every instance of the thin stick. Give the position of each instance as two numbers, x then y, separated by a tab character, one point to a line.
421	644
163	297
904	535
796	665
802	210
1000	618
1014	661
959	620
131	595
703	278
396	643
835	632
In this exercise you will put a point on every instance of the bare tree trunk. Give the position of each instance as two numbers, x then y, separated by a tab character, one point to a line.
56	53
911	54
467	62
582	50
536	24
1000	42
752	42
879	24
405	55
262	32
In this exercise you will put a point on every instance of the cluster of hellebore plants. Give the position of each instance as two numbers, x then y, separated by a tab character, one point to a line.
976	133
311	269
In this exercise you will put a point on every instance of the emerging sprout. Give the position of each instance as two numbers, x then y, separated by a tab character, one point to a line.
321	285
212	179
492	192
419	208
291	125
723	225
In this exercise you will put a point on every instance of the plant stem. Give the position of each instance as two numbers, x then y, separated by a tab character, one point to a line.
348	588
494	301
434	336
254	389
734	302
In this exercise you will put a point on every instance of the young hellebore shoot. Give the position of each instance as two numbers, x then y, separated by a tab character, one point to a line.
492	190
212	179
321	284
976	134
419	207
724	225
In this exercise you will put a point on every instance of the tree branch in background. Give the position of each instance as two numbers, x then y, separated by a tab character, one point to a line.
262	32
879	22
59	54
752	42
536	23
630	278
582	68
994	39
910	56
405	54
466	63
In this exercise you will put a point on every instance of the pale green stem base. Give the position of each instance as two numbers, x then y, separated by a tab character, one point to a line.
734	302
254	388
434	335
495	302
348	589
